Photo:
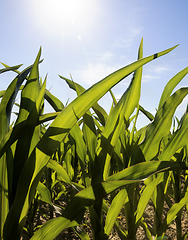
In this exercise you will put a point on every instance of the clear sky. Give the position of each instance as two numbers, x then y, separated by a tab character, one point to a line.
90	39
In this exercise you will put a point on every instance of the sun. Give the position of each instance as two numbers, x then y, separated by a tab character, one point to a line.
61	10
62	16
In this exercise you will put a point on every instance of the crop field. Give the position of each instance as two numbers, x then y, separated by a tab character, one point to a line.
79	172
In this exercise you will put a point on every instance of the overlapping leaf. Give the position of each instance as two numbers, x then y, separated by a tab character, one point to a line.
40	156
94	193
160	127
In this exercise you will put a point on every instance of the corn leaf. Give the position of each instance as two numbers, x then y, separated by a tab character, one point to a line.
90	136
5	114
31	121
81	233
44	193
161	125
63	176
47	117
172	213
2	93
177	141
114	210
92	194
77	135
7	68
113	97
53	228
122	111
146	196
53	101
171	85
101	113
40	156
28	99
146	113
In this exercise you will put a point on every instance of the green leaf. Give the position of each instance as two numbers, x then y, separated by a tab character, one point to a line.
145	197
4	203
177	141
120	113
161	125
5	113
8	100
2	93
143	170
77	135
30	92
44	193
114	210
172	213
7	68
113	97
53	101
67	162
90	136
171	85
95	223
63	176
90	195
53	228
14	69
146	113
28	129
101	113
57	131
81	233
47	117
28	107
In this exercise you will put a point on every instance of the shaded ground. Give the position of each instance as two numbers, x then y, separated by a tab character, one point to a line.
148	215
43	215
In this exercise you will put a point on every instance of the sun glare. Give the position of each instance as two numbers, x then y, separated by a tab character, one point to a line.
66	16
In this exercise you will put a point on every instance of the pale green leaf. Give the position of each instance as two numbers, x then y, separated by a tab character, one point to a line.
63	176
7	68
53	101
101	113
44	193
92	194
57	131
161	124
171	85
177	141
145	196
114	210
53	228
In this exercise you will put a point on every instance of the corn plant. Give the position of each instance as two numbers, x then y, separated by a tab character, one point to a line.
101	159
159	129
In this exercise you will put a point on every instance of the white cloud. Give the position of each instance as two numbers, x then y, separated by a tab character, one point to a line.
131	34
105	56
93	73
161	69
148	78
154	72
102	65
157	68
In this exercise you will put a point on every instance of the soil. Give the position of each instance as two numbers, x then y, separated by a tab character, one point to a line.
43	215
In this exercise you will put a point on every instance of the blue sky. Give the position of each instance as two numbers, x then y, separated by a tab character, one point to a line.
90	39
